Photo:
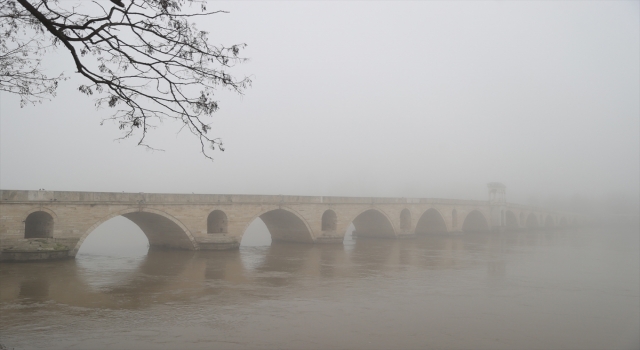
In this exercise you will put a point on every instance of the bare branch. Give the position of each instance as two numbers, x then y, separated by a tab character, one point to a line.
146	60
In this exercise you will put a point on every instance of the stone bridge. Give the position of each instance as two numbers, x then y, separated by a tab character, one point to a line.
53	224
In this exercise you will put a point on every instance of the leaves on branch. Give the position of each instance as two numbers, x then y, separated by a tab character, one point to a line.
144	58
20	71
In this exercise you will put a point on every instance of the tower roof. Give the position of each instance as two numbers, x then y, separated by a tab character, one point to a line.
496	185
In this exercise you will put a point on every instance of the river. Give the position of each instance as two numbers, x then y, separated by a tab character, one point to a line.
569	289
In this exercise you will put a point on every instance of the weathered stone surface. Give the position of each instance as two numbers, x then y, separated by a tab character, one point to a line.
181	221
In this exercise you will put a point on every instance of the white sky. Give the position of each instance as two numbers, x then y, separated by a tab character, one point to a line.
411	99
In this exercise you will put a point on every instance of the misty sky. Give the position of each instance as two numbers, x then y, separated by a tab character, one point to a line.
411	99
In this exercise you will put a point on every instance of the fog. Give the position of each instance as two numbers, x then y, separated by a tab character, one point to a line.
411	99
427	99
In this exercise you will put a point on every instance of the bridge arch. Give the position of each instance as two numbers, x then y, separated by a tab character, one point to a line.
329	221
160	228
563	222
405	220
373	223
38	224
431	221
284	224
475	222
548	222
532	221
512	220
47	210
217	222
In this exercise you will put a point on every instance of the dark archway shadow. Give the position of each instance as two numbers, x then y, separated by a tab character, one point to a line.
511	220
475	222
372	224
281	225
532	222
431	222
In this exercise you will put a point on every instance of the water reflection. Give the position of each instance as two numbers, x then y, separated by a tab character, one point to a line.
34	289
515	264
125	282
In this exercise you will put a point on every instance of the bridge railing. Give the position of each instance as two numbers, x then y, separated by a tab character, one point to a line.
127	197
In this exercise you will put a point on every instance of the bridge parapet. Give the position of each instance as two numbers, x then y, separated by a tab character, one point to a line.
164	198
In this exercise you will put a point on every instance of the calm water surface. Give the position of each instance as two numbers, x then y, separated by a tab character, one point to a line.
574	289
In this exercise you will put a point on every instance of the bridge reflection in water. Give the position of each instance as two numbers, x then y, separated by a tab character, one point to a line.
101	281
489	290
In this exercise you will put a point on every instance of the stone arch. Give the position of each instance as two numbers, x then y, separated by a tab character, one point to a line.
475	222
373	223
405	220
511	220
284	224
38	224
454	219
431	221
532	221
47	210
217	222
548	222
329	220
563	222
160	228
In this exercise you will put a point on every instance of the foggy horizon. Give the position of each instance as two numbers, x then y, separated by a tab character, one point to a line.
413	100
530	109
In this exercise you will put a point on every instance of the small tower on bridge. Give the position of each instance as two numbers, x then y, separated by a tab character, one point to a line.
497	192
498	202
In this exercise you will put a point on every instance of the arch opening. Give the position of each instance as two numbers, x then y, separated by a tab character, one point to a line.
38	224
512	221
372	223
283	226
475	222
431	222
117	236
256	235
217	222
563	222
329	221
405	220
160	230
532	221
349	237
548	222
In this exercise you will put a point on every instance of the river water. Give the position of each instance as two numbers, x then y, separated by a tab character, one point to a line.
570	289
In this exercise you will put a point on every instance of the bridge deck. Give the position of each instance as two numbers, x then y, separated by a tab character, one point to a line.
165	198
